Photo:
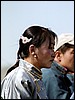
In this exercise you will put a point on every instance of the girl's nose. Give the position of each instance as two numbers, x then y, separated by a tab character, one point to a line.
53	54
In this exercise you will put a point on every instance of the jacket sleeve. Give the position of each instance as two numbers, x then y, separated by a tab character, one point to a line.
25	88
20	87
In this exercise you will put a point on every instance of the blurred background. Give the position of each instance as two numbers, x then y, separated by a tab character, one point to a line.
16	16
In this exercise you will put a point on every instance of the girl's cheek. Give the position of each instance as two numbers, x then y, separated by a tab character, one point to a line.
49	52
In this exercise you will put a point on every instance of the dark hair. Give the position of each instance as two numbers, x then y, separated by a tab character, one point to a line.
65	47
38	35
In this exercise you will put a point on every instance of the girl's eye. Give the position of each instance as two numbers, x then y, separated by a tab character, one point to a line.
50	47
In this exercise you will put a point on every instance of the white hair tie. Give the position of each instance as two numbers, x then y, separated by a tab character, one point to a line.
25	39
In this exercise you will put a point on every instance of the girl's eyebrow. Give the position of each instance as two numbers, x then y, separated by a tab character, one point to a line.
53	43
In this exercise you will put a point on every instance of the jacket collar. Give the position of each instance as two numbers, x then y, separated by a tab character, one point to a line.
58	67
31	68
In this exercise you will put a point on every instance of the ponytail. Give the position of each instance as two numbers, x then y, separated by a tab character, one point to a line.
13	67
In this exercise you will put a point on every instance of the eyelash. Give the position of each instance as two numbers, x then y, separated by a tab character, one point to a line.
50	47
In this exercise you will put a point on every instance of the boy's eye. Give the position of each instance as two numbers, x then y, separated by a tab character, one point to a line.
72	52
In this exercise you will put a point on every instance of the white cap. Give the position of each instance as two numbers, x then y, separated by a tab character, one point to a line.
64	38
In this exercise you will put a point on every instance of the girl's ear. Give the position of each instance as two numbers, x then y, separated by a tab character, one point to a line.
32	50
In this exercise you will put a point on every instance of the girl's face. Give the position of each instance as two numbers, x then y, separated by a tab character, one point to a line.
45	54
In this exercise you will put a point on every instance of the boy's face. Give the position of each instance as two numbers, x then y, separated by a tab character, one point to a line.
67	59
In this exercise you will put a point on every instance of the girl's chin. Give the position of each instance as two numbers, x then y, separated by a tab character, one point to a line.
48	66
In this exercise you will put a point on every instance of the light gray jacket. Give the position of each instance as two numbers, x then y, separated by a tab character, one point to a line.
24	82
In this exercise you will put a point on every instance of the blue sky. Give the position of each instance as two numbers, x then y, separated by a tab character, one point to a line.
16	16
